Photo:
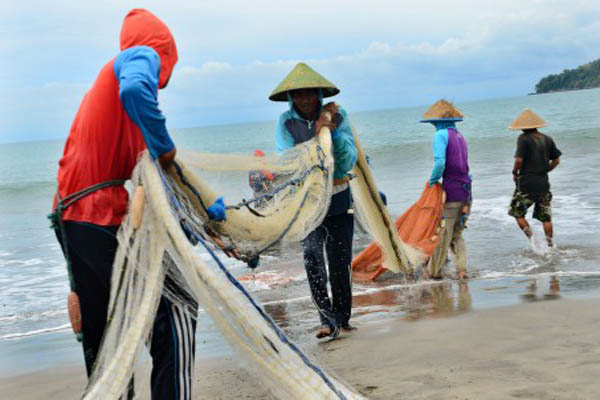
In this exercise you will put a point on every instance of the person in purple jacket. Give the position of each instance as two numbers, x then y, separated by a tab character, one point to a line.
451	164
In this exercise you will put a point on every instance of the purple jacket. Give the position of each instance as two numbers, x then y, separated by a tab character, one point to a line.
452	164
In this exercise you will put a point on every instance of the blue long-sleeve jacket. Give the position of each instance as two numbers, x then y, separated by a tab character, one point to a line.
344	150
440	145
137	69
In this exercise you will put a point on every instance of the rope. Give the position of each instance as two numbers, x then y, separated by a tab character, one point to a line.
246	259
57	223
291	182
242	290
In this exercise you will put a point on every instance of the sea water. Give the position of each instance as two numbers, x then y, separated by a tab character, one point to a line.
505	267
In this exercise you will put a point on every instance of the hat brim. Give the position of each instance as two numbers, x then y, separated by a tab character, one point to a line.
282	96
456	119
525	127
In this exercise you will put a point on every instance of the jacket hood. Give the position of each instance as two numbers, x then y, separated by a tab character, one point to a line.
142	28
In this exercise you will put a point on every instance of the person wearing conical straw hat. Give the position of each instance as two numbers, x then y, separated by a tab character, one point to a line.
451	164
304	90
536	155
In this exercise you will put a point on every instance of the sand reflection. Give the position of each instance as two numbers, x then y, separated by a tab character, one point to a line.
536	290
429	300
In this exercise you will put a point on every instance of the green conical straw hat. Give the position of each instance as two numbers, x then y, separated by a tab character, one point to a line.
303	77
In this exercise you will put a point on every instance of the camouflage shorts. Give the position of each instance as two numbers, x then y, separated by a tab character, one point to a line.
521	202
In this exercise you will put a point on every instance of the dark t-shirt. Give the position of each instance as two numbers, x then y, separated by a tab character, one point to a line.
537	150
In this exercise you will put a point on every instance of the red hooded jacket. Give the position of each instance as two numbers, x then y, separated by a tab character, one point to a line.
104	143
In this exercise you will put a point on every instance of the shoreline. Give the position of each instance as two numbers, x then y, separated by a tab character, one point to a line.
562	91
541	350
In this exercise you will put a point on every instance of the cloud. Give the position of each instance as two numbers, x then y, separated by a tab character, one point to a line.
381	55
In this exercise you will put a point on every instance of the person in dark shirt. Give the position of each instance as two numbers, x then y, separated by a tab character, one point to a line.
536	155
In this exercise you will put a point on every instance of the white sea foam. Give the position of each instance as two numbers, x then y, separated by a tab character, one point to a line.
35	332
573	213
30	262
34	316
527	272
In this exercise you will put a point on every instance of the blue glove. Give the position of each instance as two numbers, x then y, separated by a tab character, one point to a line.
217	212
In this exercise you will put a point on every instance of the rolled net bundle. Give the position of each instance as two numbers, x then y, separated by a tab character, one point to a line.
286	207
166	254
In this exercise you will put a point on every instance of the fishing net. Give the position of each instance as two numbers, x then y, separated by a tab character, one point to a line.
398	256
168	246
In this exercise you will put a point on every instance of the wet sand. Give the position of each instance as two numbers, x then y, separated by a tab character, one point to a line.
541	350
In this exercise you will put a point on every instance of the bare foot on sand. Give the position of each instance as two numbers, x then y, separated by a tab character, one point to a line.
327	331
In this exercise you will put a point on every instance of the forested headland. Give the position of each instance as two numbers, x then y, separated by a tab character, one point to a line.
585	76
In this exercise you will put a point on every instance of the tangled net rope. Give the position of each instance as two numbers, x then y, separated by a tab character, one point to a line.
166	255
168	247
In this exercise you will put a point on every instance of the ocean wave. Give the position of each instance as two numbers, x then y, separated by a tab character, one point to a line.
33	316
572	213
531	272
30	262
19	335
17	188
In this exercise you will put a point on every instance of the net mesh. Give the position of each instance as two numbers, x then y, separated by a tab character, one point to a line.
398	256
168	247
166	255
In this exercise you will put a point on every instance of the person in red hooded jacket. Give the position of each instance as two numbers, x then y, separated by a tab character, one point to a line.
119	118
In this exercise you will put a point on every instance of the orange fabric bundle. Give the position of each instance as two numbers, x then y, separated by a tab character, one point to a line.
417	227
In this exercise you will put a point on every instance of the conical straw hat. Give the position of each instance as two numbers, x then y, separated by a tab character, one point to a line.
303	77
527	120
442	110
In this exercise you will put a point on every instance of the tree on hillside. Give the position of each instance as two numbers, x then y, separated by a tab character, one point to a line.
583	77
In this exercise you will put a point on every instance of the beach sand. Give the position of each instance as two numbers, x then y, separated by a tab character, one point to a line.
541	350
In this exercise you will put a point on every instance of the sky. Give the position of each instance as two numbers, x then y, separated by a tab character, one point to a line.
232	54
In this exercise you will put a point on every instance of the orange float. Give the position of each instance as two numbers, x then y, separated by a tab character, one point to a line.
74	309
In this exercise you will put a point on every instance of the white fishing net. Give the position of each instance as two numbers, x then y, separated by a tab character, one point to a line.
398	256
168	246
166	255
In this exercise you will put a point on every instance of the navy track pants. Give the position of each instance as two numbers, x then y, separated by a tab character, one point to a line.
92	249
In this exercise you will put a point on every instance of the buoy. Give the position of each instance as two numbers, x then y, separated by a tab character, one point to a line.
137	207
74	310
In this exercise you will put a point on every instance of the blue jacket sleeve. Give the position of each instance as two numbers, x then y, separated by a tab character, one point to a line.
440	143
283	138
344	149
137	70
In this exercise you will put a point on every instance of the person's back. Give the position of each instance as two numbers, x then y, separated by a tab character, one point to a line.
537	150
451	164
119	118
536	155
456	177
